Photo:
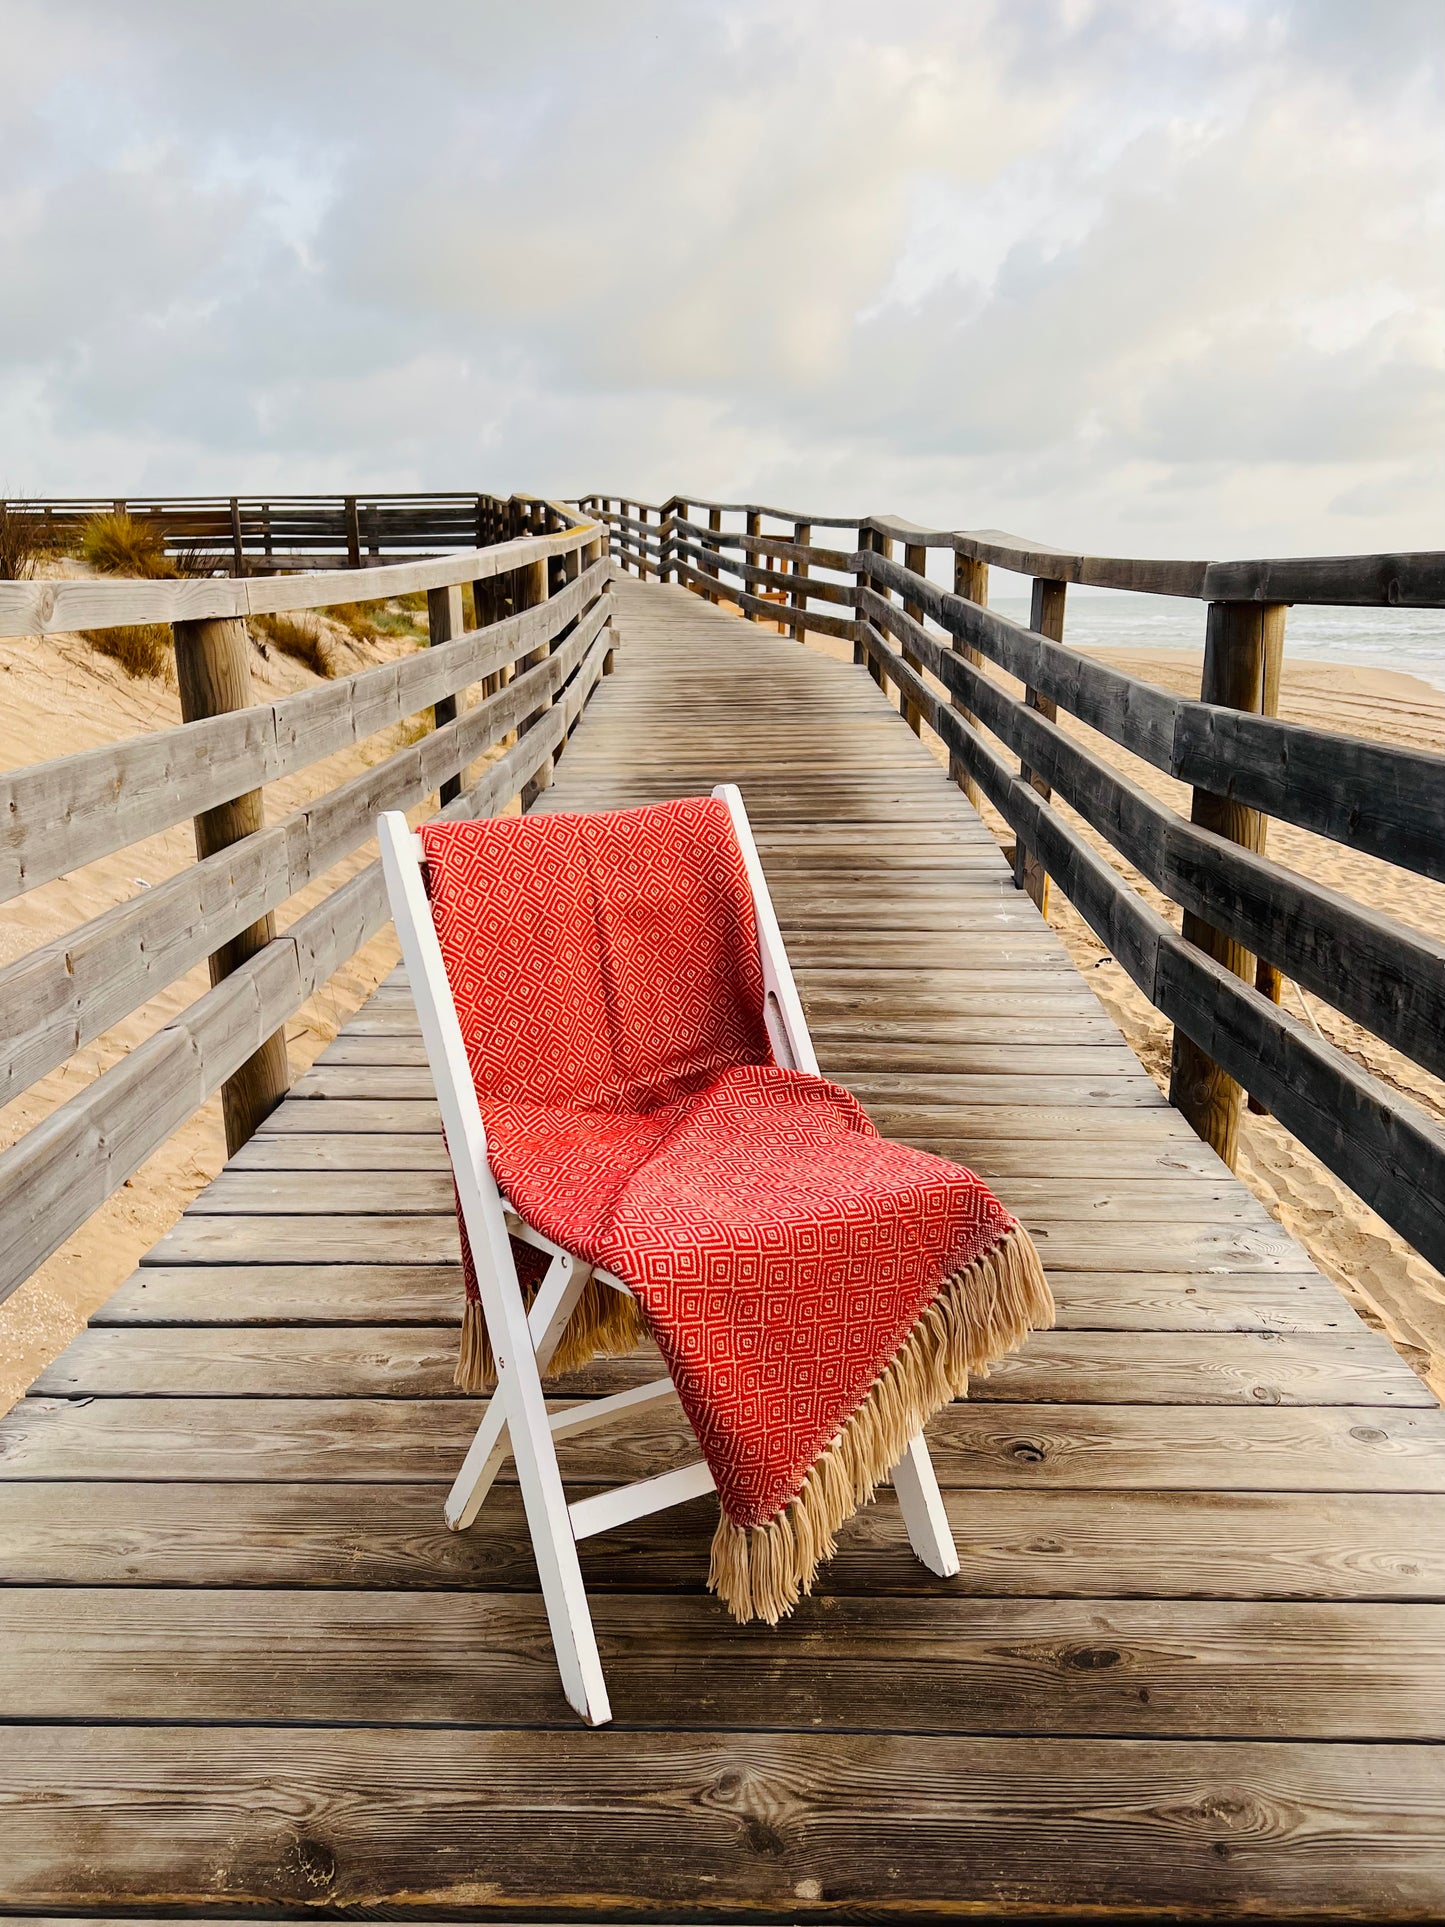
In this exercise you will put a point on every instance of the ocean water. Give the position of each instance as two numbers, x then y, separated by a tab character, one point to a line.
1412	640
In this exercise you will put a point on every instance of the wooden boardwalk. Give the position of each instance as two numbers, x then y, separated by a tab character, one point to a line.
1199	1634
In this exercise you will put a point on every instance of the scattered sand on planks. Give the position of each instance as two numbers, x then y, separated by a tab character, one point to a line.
57	697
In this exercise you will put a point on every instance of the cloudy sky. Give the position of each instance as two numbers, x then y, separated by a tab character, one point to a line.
1128	274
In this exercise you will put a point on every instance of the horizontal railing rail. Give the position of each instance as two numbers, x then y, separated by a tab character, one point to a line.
258	534
542	637
1249	923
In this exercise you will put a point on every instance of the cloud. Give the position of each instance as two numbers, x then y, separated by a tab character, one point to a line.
1125	273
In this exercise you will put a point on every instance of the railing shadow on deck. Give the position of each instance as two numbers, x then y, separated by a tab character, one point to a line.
1248	922
542	636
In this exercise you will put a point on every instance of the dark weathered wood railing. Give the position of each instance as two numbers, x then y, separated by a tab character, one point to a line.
543	637
1246	920
260	534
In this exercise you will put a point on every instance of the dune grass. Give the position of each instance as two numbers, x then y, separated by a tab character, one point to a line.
119	544
143	650
20	543
296	639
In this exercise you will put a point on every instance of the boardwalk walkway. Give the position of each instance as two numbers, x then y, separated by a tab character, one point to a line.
1197	1638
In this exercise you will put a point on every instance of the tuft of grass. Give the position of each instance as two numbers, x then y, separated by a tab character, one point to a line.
193	564
387	620
356	618
22	542
143	651
296	639
119	544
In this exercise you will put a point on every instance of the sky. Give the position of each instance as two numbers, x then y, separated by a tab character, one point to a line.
1122	275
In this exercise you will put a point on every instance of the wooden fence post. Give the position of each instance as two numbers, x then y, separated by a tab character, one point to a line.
1234	676
238	547
1267	976
869	542
714	521
803	535
213	669
444	620
353	533
915	559
863	542
1046	617
681	512
532	588
755	528
970	581
883	545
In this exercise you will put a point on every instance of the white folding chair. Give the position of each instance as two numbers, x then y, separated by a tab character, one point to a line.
516	1419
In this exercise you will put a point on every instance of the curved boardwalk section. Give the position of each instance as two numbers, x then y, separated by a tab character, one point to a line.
1198	1638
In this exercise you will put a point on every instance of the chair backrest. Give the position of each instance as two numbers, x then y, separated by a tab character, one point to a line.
610	961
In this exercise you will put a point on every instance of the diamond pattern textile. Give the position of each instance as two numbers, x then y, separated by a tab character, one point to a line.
606	973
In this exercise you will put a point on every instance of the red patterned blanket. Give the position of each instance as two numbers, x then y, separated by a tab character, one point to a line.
816	1291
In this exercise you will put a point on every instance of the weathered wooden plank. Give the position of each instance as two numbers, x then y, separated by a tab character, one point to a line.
231	1295
1356	1367
205	1238
1090	1544
1246	1448
53	606
1019	1159
391	1191
1105	1667
682	1825
431	1295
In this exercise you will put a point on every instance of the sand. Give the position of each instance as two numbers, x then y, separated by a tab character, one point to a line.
60	697
57	697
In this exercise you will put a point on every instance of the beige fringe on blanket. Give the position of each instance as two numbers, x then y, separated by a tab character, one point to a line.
979	1315
603	1320
760	1572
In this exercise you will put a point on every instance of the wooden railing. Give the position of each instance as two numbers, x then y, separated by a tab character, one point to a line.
1248	922
542	638
261	534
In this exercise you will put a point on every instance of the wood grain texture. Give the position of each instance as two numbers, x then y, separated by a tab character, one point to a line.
1189	1668
779	1826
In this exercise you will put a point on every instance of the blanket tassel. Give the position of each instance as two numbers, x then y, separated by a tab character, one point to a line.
978	1315
604	1320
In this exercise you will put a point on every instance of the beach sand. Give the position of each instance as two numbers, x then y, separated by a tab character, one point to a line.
60	697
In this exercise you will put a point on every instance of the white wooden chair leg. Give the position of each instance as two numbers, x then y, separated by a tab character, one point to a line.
490	1449
921	1503
553	1541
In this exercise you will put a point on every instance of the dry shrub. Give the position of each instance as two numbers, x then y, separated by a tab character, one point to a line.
24	538
119	544
297	639
143	651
